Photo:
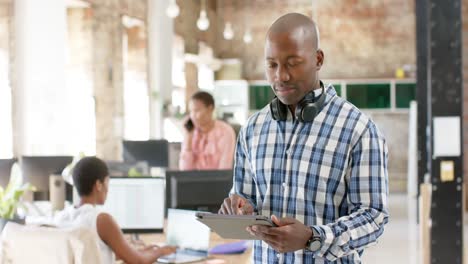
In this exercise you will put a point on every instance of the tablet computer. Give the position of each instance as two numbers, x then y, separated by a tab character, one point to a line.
233	226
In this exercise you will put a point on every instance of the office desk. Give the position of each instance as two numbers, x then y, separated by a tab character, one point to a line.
244	258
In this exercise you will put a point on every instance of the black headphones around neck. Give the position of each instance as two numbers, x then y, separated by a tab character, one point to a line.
306	109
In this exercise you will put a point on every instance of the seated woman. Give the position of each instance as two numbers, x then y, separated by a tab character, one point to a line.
91	179
208	143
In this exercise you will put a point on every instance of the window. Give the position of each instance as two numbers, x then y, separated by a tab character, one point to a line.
6	137
136	97
55	105
173	130
178	74
369	95
260	96
405	93
337	88
365	94
81	130
79	83
205	78
206	65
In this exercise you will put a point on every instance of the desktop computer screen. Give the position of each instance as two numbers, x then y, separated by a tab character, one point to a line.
37	169
5	171
155	152
137	203
122	169
201	190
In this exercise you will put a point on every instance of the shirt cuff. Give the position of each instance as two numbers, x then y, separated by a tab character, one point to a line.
326	236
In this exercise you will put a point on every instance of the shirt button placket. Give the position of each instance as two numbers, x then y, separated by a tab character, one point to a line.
284	185
278	257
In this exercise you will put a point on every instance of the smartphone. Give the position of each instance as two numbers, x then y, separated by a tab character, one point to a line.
189	125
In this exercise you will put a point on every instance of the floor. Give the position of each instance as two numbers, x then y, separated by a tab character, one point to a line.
400	241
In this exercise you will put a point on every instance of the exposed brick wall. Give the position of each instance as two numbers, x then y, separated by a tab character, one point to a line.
4	26
80	39
259	14
108	82
107	64
361	39
108	71
367	39
133	8
137	50
185	25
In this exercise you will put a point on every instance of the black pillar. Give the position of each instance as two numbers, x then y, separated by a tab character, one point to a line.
422	91
443	44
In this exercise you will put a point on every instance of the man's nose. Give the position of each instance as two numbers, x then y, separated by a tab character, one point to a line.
282	74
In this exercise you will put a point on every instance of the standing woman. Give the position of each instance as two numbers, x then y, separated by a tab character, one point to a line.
208	143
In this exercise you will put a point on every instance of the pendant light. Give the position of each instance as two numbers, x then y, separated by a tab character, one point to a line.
203	23
228	33
172	10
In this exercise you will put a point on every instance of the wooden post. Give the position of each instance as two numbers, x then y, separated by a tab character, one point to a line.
425	222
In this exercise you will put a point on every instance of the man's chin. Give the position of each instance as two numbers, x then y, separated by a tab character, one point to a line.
288	101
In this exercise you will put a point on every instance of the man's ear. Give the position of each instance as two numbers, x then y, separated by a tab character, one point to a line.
320	58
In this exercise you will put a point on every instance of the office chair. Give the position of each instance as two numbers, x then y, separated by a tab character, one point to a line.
39	244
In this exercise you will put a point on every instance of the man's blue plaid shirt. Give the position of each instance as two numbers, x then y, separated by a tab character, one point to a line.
330	174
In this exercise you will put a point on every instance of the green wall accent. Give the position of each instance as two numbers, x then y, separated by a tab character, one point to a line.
369	95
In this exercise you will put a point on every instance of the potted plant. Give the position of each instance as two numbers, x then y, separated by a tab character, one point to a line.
10	197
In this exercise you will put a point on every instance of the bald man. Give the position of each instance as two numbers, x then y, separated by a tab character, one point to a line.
310	160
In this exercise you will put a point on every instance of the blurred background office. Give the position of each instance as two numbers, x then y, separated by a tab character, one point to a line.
113	78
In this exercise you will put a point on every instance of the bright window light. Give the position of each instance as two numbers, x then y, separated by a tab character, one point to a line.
136	96
6	135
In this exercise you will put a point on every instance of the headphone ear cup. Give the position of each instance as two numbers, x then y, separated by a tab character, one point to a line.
298	112
308	113
303	111
306	109
274	109
278	110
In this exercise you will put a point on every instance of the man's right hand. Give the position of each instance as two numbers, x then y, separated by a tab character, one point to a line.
236	205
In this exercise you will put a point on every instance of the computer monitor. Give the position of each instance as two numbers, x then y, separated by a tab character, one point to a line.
122	169
5	171
37	169
136	203
155	152
201	190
